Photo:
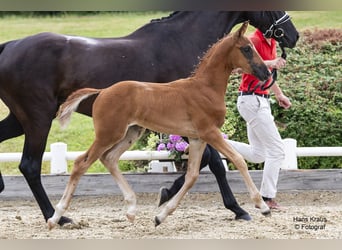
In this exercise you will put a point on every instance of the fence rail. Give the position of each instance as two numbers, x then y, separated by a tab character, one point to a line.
59	155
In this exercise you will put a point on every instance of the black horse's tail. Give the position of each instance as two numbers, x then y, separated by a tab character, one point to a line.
72	103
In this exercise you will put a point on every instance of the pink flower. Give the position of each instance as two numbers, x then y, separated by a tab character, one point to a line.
161	146
176	146
224	136
174	138
181	146
170	146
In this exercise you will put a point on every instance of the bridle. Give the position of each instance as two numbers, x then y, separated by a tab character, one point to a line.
276	31
274	74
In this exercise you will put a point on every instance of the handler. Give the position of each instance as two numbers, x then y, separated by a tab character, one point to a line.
265	143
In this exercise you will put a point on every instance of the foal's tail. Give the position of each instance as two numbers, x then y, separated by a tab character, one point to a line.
71	104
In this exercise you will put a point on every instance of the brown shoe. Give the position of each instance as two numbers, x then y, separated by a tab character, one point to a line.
274	205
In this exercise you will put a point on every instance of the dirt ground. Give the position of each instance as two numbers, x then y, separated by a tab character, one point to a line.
309	215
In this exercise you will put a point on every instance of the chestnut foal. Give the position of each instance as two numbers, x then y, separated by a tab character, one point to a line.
123	111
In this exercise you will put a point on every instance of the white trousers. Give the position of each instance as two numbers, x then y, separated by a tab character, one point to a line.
265	143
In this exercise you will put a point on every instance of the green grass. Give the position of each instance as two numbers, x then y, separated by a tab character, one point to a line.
316	19
80	133
102	25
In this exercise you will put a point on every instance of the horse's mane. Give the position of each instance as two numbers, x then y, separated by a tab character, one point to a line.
164	18
207	55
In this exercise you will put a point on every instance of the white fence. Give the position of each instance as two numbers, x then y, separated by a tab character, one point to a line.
59	155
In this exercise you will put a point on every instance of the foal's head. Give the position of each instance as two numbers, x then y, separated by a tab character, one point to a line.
244	55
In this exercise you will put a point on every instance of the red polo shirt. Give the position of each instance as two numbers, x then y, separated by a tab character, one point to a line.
267	52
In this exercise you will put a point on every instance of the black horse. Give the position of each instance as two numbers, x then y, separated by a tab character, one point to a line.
38	72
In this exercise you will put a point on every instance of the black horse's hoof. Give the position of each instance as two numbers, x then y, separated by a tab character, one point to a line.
65	220
245	217
157	222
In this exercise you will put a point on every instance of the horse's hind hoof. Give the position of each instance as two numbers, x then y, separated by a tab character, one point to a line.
157	222
65	220
245	217
130	217
267	213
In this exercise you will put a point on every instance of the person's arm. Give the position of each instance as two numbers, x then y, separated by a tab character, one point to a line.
283	100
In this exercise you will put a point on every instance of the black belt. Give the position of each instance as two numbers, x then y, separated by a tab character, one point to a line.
241	93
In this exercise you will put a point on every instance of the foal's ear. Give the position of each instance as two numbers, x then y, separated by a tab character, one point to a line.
243	29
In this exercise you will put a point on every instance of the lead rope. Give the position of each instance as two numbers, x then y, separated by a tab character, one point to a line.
274	71
274	74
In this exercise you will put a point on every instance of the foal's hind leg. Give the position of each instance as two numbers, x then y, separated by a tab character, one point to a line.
215	139
111	158
81	165
196	148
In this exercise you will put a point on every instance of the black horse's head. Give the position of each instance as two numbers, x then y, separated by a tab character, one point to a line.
275	24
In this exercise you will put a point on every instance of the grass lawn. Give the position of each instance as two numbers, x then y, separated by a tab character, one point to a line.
79	134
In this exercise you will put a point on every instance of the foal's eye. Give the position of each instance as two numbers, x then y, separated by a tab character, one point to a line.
247	51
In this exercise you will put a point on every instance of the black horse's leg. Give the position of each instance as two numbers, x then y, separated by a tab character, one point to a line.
211	157
9	128
166	194
30	165
216	166
2	184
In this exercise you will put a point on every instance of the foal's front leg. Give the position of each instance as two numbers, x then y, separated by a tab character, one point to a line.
196	148
215	139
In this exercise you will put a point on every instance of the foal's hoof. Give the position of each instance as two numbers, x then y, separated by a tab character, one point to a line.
245	217
51	224
157	222
267	213
65	220
130	217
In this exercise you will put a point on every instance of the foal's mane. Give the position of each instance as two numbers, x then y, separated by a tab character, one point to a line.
218	46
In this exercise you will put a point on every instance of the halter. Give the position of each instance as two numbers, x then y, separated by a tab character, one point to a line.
274	74
275	31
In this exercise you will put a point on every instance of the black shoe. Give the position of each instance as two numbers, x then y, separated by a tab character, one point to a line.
163	196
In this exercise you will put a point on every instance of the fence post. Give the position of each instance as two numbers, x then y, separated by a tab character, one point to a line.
59	163
290	153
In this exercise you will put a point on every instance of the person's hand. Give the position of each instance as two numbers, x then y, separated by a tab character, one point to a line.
283	101
278	63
